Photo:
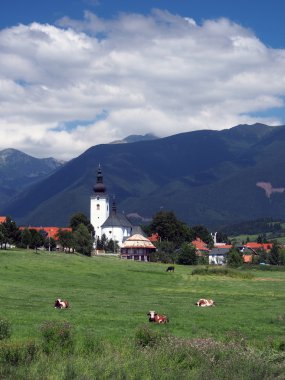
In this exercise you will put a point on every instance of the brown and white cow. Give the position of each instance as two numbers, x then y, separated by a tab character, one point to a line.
203	302
157	318
59	304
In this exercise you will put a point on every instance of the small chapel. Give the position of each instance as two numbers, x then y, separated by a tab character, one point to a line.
105	219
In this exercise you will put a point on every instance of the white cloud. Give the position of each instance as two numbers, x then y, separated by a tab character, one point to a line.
160	74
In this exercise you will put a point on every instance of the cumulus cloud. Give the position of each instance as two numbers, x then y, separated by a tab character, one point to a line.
80	83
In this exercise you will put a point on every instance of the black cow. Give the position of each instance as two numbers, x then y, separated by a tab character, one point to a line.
170	269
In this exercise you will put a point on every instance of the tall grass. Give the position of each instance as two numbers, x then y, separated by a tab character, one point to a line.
167	357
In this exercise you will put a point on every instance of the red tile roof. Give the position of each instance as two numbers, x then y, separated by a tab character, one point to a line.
200	245
3	219
254	245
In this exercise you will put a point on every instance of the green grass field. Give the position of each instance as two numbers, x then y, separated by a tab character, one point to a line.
110	298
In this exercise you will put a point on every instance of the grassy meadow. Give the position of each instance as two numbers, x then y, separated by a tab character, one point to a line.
110	298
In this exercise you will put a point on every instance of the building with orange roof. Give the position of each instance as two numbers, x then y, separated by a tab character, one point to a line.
137	247
259	246
200	245
154	238
3	219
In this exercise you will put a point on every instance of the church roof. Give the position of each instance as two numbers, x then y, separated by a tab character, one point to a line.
116	220
137	241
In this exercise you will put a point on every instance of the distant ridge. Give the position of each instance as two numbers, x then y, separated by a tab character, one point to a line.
18	170
206	177
135	138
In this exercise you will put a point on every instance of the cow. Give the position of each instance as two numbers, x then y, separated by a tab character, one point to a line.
59	304
170	269
157	318
203	302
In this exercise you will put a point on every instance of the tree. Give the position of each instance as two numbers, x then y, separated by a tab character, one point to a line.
166	252
234	258
169	228
102	243
274	255
282	256
50	244
81	218
202	233
2	236
37	239
221	237
65	239
187	255
83	241
10	231
112	246
26	238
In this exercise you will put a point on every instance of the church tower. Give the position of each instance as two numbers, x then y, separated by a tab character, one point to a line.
99	205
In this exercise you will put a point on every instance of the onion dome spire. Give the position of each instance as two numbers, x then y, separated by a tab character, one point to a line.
99	187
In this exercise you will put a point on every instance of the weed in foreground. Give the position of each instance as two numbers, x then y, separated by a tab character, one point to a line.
57	335
5	329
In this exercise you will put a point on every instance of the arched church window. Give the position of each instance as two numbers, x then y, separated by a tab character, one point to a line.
98	207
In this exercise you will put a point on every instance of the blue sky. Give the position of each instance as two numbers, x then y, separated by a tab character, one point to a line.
265	17
161	67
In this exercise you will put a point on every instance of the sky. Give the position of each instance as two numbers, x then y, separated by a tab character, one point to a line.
78	73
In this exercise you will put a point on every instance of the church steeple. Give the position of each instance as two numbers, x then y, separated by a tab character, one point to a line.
114	207
99	187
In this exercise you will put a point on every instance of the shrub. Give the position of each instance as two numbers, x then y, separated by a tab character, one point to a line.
5	329
147	337
18	353
57	335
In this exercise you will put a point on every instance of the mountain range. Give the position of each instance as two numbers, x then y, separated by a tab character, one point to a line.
19	170
206	177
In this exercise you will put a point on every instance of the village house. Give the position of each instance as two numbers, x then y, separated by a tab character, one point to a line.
137	247
200	246
218	255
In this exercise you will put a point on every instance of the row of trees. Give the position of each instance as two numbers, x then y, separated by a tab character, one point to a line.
170	229
80	239
175	238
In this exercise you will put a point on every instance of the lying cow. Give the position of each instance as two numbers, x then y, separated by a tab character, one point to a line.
157	318
203	302
59	304
170	269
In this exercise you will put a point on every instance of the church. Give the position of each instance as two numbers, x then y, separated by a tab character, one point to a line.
105	219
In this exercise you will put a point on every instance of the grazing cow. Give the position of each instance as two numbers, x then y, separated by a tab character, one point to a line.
157	318
170	269
59	304
203	302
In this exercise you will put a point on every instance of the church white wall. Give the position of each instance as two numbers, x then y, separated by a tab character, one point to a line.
117	233
99	212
